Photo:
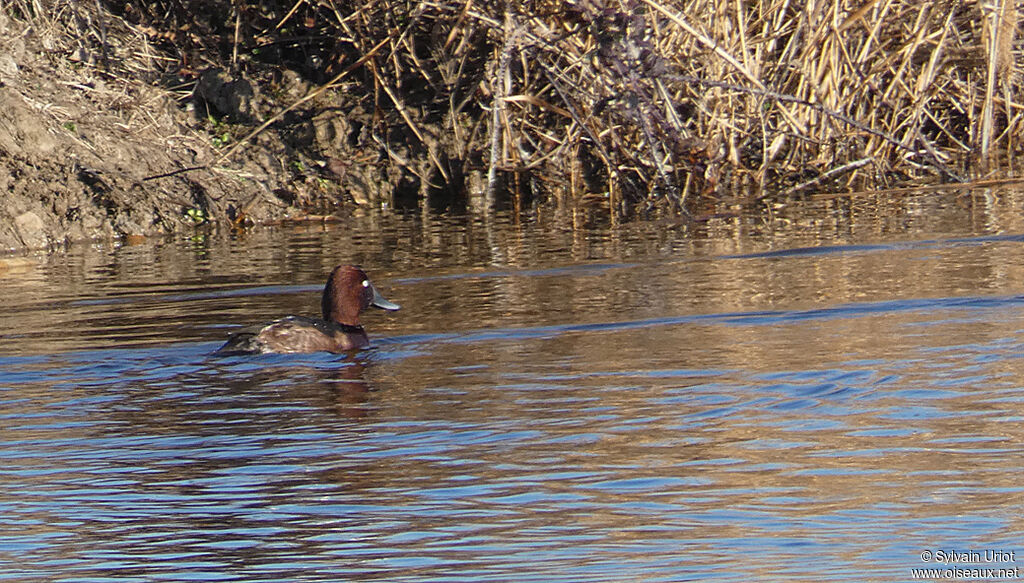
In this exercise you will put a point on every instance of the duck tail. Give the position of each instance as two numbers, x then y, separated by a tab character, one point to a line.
241	343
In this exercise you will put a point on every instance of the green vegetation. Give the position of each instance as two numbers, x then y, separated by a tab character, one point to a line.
221	140
196	215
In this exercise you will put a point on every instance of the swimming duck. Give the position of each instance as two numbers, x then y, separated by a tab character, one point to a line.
347	293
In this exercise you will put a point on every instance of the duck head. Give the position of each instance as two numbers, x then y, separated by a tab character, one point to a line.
347	293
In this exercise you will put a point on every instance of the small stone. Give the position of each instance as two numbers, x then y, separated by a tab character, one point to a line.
31	230
8	67
234	97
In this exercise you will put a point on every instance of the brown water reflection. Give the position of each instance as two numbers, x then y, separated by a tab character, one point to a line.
829	392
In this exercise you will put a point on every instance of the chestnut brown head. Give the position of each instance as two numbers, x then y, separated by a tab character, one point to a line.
347	293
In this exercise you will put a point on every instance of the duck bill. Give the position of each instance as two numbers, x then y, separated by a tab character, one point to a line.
378	301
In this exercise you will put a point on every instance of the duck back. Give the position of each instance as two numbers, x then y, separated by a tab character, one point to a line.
295	334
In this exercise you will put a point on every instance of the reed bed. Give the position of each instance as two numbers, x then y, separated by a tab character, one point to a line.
639	104
654	104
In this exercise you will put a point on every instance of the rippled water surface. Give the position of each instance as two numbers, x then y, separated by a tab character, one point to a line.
819	396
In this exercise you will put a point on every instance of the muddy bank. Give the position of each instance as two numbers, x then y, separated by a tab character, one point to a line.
80	133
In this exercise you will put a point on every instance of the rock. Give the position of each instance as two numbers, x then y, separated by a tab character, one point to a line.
31	230
331	133
8	67
22	131
292	85
224	95
126	227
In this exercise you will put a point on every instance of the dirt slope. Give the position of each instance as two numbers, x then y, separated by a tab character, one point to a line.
77	140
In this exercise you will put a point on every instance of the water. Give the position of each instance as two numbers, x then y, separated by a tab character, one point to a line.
823	396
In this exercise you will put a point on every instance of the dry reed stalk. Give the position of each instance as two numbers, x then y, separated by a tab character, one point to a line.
993	17
1006	36
501	88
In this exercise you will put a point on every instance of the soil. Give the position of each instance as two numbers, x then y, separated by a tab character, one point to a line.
82	134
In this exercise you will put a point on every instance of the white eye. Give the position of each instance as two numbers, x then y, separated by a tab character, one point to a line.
366	283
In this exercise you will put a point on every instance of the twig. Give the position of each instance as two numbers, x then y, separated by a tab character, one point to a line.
174	173
825	176
103	32
502	87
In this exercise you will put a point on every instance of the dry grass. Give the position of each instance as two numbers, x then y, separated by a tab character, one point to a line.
650	103
658	103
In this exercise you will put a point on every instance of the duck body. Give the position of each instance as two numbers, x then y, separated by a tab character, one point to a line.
347	293
296	334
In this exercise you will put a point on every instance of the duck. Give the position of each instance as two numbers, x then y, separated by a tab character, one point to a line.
347	293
